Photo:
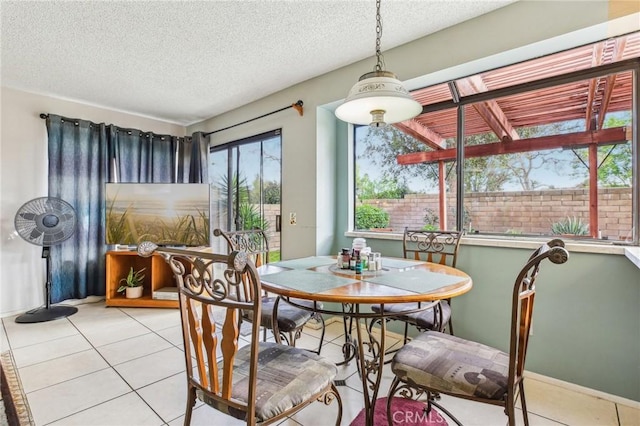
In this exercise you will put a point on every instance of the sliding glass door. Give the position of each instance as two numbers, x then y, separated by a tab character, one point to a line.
245	177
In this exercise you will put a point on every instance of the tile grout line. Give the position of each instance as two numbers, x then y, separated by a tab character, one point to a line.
110	366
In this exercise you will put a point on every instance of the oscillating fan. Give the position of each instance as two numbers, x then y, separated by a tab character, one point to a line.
46	221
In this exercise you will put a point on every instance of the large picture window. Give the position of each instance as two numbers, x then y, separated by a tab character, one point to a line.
548	149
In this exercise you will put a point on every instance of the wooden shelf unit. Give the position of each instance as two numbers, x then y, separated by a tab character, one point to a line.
157	275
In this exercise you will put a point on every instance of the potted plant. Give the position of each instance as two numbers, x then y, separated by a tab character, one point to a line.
132	284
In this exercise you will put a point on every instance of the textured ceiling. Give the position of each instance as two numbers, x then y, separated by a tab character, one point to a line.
185	61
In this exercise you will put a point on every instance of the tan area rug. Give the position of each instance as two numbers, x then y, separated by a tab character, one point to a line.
16	410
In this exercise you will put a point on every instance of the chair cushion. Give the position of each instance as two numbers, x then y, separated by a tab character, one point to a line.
290	318
287	377
449	364
424	319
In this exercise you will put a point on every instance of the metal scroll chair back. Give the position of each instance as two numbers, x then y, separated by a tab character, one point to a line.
214	290
524	292
438	363
254	242
429	246
437	247
432	246
289	319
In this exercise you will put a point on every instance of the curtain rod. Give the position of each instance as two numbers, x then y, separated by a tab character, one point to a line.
44	116
297	106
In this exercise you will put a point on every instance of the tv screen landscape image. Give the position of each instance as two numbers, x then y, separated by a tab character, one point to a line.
171	214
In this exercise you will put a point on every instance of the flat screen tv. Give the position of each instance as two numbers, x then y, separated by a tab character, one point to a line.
167	214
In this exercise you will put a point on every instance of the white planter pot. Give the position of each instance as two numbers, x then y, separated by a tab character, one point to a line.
133	292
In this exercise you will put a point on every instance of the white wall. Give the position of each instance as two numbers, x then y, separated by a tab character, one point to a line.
522	30
23	176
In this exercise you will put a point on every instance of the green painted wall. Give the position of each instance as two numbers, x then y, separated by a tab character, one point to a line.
586	326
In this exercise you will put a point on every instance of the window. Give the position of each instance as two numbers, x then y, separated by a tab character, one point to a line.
547	150
245	179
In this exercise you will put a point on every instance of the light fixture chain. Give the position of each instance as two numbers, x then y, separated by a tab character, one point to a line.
380	59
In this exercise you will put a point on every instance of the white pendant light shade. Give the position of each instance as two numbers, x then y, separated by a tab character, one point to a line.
378	98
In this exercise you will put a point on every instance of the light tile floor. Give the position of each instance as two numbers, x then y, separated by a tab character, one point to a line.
125	367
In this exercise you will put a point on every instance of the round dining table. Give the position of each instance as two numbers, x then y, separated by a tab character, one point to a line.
320	279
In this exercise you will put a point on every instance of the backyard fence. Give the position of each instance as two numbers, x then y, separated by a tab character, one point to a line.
517	212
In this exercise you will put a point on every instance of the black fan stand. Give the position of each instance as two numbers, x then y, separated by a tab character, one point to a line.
48	312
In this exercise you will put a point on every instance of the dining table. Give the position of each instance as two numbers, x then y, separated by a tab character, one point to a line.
343	292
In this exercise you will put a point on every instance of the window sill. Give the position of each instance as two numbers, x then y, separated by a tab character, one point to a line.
632	252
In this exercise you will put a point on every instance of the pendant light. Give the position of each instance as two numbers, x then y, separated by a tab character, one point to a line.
378	98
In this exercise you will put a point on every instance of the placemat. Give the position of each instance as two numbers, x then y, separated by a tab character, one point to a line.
399	263
307	281
306	262
416	280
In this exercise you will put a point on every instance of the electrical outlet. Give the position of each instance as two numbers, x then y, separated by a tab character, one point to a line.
292	218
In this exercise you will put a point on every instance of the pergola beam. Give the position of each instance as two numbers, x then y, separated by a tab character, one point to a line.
596	60
488	110
610	83
611	136
422	134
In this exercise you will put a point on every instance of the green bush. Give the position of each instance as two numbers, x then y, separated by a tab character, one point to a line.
368	216
570	226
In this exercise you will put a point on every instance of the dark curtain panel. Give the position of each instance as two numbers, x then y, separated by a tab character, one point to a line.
192	159
78	167
142	157
83	156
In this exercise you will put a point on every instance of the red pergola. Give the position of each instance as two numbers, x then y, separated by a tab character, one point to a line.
583	84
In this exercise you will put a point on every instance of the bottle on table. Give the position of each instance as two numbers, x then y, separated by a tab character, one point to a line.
345	258
358	263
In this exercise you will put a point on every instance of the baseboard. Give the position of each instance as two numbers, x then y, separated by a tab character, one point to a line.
68	302
582	389
545	379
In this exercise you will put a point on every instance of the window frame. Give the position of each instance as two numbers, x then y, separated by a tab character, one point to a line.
460	102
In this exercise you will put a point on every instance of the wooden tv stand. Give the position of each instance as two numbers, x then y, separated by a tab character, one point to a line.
157	275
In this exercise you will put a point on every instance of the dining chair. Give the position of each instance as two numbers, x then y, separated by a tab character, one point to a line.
431	246
260	382
289	320
438	363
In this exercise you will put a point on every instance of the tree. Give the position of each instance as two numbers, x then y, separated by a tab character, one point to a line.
616	170
381	146
484	174
614	161
367	189
270	191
